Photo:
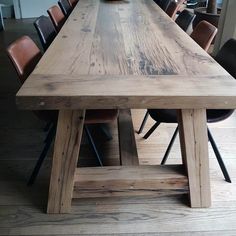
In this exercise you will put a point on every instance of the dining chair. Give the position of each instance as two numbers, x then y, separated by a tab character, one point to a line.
73	2
184	19
192	4
65	7
173	8
226	57
204	33
163	4
24	55
57	17
45	30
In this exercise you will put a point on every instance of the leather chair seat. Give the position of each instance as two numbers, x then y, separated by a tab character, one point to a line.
170	116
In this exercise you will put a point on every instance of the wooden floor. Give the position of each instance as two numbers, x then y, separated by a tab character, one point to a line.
22	208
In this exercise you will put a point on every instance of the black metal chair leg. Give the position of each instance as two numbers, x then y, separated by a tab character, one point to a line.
143	123
218	157
170	146
90	139
47	127
105	129
151	130
50	137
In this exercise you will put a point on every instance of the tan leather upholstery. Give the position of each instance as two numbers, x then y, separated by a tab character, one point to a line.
172	9
24	54
73	2
57	17
204	33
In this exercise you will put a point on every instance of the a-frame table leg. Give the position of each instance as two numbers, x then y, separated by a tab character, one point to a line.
65	157
194	147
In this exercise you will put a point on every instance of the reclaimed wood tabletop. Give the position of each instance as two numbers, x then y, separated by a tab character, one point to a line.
126	54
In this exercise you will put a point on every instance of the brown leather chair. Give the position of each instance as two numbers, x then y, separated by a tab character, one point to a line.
57	17
203	34
73	2
24	55
172	8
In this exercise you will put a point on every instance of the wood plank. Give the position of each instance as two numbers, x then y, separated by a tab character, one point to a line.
127	143
143	39
65	158
72	92
78	35
129	181
194	145
118	217
143	45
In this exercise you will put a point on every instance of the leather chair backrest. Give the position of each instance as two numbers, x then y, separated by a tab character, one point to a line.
57	17
172	9
226	57
156	1
204	33
24	55
73	2
65	7
184	19
163	4
46	31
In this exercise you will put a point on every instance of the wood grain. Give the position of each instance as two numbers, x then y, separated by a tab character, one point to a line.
194	145
127	143
129	181
105	40
170	92
134	37
65	157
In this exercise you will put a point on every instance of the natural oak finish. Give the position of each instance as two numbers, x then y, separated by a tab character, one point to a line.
194	147
65	157
130	54
126	181
127	143
164	91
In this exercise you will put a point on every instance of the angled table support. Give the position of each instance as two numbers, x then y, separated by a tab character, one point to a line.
65	157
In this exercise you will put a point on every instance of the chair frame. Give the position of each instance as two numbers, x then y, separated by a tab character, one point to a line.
166	155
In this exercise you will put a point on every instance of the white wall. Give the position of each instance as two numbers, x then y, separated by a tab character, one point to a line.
35	8
9	2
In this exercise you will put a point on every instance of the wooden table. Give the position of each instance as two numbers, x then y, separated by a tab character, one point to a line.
126	54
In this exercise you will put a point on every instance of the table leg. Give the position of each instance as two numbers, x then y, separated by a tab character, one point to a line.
127	142
65	157
194	147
